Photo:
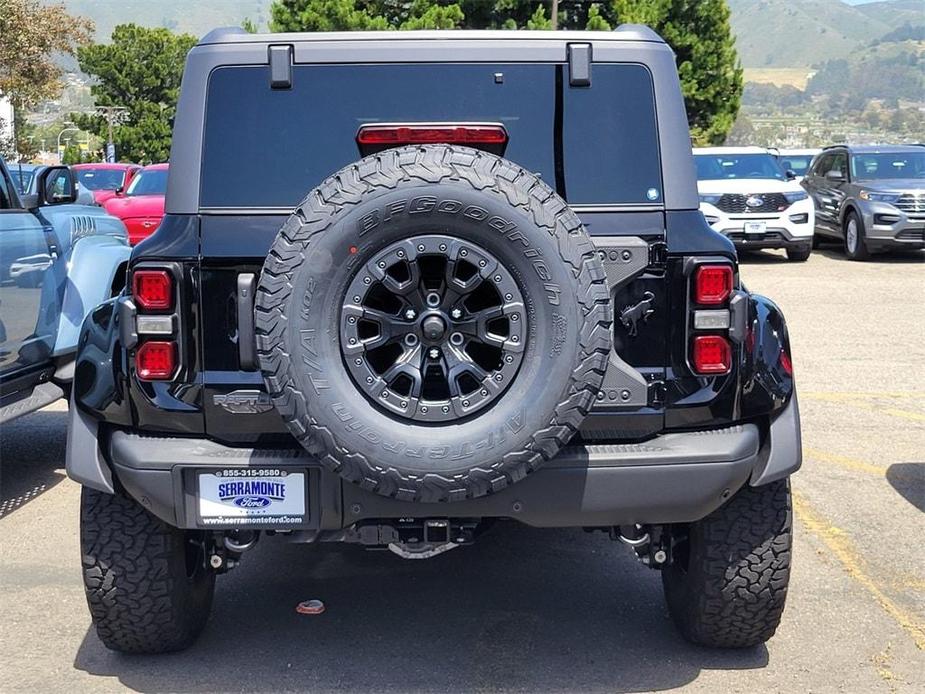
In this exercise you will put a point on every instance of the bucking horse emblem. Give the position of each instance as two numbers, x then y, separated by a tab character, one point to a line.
631	315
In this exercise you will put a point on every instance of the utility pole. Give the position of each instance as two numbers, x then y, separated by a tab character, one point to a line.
555	14
114	115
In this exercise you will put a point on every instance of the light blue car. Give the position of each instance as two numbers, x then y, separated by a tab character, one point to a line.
58	261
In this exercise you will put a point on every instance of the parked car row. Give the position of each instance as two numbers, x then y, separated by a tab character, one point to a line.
130	192
869	198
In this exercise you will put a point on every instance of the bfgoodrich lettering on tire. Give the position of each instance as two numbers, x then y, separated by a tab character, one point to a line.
433	323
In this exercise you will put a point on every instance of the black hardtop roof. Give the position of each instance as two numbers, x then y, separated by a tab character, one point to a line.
625	32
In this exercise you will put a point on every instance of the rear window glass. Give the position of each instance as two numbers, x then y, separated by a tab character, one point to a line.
268	148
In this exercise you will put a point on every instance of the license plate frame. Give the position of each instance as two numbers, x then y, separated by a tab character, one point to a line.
251	497
755	228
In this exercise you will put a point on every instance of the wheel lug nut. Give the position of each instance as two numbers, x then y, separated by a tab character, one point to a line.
410	314
434	353
456	313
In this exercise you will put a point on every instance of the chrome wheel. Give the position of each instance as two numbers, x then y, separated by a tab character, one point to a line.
433	328
851	235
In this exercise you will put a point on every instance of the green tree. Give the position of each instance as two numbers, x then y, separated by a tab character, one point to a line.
139	70
708	65
697	30
71	154
32	35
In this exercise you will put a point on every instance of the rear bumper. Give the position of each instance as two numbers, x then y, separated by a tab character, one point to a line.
673	478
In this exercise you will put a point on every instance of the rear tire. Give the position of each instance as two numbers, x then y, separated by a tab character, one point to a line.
798	255
728	583
147	584
855	245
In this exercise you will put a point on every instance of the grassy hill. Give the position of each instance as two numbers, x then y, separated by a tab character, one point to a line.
782	33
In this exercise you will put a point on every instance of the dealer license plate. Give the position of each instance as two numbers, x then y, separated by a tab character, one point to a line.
755	227
246	496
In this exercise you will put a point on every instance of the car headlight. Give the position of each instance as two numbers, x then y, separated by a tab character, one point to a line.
795	196
712	199
878	197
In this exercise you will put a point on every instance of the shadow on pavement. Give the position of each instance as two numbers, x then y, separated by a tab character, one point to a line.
909	480
899	257
31	453
523	609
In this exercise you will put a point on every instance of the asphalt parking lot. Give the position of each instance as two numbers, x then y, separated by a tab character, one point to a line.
530	610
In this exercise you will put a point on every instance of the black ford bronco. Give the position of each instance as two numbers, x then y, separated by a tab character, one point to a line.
412	284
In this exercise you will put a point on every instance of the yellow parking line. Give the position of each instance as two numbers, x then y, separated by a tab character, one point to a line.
858	401
844	461
905	414
840	545
861	395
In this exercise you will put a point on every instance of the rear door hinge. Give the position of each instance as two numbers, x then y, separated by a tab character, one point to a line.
658	392
658	253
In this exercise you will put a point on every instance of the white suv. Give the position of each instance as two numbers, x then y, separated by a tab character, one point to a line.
747	196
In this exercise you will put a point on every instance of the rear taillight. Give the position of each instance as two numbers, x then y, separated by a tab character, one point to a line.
711	354
712	284
152	290
710	351
157	356
489	136
156	360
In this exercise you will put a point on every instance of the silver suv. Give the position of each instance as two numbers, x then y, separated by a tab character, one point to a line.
872	197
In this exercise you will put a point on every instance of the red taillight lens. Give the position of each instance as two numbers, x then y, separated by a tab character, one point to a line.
712	284
152	289
711	354
422	134
156	361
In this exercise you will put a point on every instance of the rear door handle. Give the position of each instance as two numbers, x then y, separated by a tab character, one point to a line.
247	339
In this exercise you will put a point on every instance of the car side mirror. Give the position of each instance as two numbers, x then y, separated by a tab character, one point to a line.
57	186
790	174
835	175
120	191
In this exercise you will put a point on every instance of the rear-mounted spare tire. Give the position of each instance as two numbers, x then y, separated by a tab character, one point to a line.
433	323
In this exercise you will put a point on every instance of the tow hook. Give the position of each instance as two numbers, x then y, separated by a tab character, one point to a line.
651	543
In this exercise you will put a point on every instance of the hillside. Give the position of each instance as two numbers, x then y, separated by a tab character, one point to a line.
770	33
783	33
195	17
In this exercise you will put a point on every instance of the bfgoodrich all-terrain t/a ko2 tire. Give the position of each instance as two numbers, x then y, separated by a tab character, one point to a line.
728	582
433	323
147	584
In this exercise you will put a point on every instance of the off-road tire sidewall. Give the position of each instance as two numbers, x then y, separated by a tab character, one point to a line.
140	597
732	591
565	300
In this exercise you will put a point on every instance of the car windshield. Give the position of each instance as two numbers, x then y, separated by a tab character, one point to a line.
100	179
885	166
150	182
798	163
22	178
712	167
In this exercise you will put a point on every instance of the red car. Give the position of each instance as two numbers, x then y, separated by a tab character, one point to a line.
141	206
105	180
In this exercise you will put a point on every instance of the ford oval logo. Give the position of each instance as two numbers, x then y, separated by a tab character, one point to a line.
754	201
252	502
